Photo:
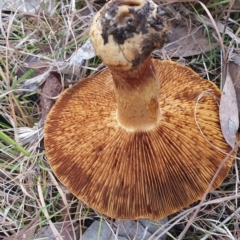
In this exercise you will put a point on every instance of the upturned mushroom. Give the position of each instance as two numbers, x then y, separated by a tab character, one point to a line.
141	139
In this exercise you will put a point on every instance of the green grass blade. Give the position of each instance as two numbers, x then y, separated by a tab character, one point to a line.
8	140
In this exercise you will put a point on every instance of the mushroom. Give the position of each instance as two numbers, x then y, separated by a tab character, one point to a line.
141	139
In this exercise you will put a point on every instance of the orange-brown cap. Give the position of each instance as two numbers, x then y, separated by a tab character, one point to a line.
138	174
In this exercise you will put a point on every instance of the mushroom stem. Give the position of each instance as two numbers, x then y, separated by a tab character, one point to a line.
137	93
124	34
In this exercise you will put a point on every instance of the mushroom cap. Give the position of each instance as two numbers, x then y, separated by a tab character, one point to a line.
131	175
125	32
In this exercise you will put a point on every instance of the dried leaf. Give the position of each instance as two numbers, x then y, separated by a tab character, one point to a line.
36	65
84	53
51	88
236	5
72	65
183	44
234	71
32	84
46	213
228	112
221	27
65	232
32	135
236	59
30	6
27	232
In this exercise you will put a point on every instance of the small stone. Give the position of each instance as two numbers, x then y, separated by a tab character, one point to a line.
100	231
154	226
131	230
64	230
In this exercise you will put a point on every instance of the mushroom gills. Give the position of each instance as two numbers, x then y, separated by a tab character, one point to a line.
160	151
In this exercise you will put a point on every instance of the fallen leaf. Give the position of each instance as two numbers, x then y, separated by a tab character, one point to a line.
197	5
30	6
184	44
65	232
51	88
155	227
234	71
83	53
222	28
99	2
36	65
26	232
72	65
33	84
236	5
228	112
236	59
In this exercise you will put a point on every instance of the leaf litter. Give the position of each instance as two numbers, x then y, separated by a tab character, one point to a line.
228	112
51	88
234	71
183	43
28	231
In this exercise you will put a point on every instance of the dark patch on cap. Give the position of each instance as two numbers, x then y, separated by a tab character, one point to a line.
149	209
157	23
123	26
108	14
150	43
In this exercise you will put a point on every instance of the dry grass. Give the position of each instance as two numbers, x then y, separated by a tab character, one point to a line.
30	196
